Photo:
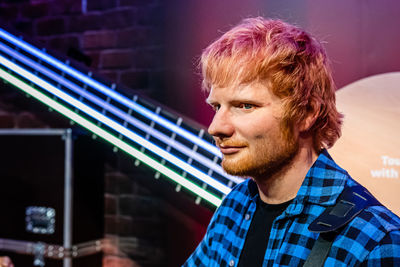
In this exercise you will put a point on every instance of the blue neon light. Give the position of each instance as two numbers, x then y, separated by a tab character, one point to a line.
109	92
110	138
98	101
114	125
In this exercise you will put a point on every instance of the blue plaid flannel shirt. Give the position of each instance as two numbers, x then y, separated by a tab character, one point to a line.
371	239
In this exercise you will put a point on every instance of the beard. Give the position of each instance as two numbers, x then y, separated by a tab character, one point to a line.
268	156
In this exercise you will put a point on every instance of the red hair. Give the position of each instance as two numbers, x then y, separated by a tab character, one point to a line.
287	60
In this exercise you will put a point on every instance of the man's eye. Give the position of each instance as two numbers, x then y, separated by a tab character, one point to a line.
216	107
246	106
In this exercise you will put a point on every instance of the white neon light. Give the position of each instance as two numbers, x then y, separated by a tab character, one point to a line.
111	138
116	126
116	96
98	101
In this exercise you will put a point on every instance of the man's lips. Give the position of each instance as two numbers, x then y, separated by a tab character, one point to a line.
227	150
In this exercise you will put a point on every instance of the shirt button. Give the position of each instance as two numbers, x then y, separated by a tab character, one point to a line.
247	217
232	263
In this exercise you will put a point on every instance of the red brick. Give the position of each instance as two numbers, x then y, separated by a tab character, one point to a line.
7	120
134	37
8	12
43	41
24	26
134	2
111	75
110	224
95	57
113	181
119	19
50	26
147	227
110	204
63	43
65	7
35	10
138	206
141	190
100	39
84	23
101	4
118	225
39	1
126	186
135	79
16	1
125	226
116	59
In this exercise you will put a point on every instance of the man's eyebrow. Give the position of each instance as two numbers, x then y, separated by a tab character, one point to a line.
247	101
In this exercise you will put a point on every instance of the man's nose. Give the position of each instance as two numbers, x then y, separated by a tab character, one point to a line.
221	125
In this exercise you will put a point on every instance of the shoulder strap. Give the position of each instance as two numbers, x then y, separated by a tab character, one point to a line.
348	205
320	250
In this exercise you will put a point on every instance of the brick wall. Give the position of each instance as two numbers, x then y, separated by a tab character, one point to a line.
119	39
15	110
133	220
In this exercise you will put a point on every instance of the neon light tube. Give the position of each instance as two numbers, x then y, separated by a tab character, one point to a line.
111	138
116	126
100	102
116	96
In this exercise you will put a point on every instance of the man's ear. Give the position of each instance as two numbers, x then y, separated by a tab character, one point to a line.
311	117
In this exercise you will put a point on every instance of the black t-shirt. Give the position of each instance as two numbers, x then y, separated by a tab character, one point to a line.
253	251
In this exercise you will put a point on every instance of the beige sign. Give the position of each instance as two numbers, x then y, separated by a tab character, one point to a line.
369	148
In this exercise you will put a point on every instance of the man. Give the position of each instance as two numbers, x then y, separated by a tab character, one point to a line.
275	115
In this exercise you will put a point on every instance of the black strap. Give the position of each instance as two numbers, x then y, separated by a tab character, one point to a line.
349	204
320	250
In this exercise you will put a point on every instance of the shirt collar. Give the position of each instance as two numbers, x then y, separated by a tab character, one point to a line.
252	188
322	185
324	181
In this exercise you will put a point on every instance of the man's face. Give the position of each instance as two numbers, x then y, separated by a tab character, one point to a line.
246	127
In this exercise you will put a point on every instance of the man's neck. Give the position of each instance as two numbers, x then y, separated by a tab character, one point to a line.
284	185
